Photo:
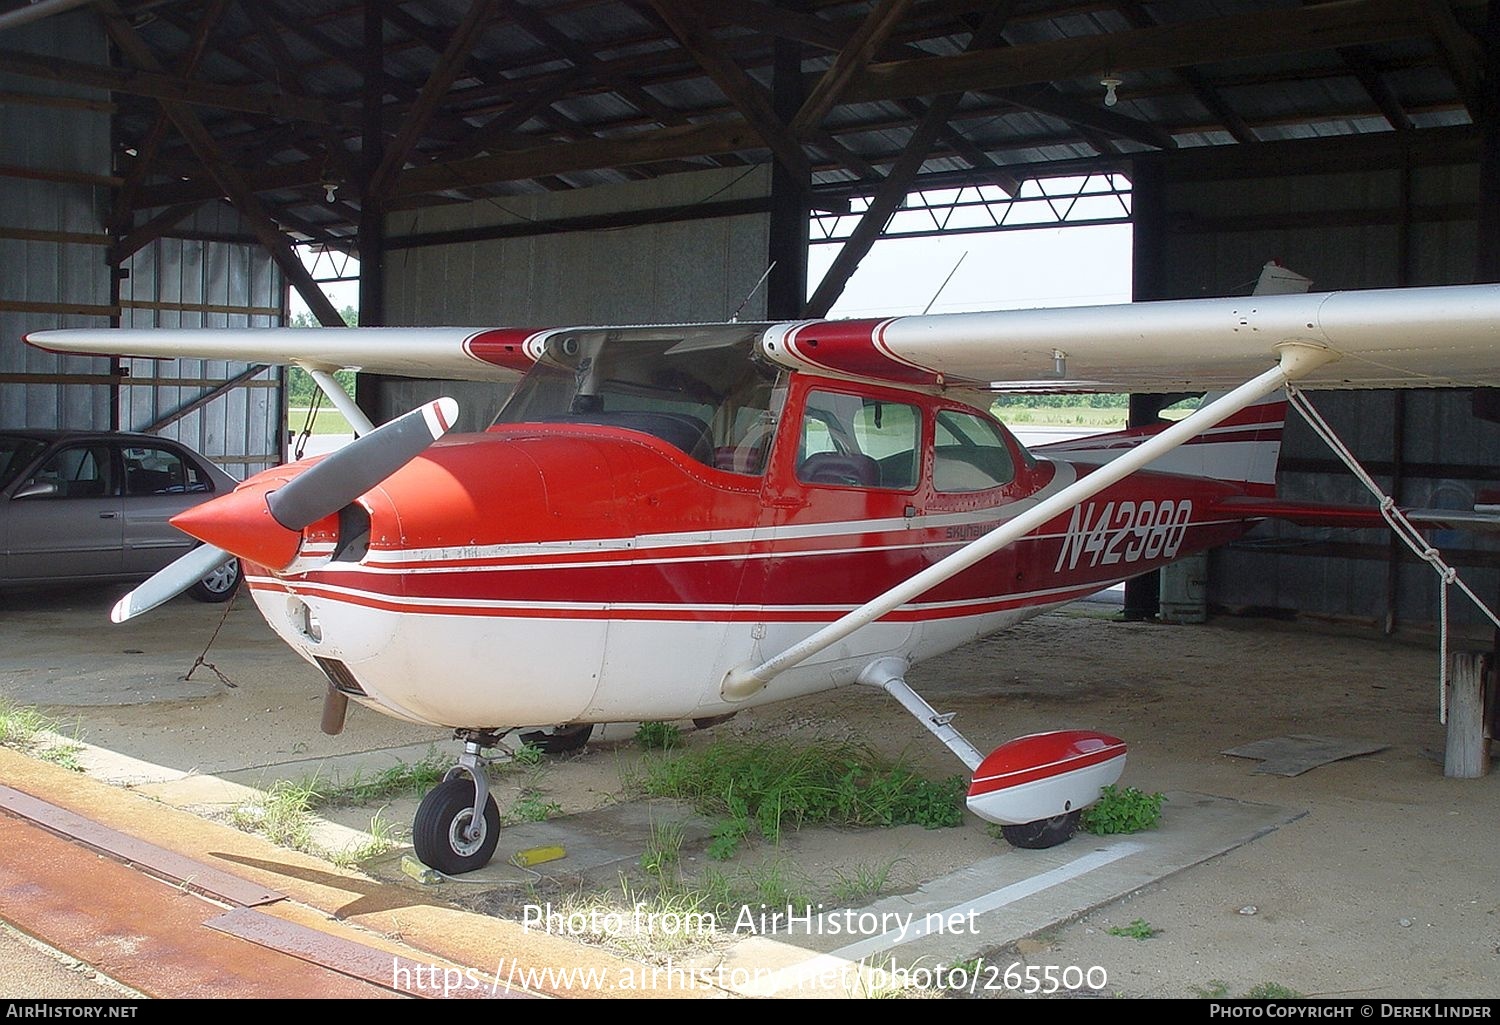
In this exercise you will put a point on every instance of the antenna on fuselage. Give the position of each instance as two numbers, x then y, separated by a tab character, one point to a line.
735	316
928	308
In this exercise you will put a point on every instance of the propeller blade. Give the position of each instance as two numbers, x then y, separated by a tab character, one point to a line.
169	582
329	485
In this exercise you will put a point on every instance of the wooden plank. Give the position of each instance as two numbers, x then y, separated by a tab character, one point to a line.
160	86
77	238
1209	40
60	175
59	309
676	142
9	96
243	198
851	60
754	105
592	222
449	65
65	379
252	311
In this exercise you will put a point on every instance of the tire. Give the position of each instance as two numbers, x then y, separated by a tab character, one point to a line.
1043	833
437	833
220	585
561	741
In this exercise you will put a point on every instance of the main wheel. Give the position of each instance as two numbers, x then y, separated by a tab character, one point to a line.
219	585
1042	833
440	832
561	741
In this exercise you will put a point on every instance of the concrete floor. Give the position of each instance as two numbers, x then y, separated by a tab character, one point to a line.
213	742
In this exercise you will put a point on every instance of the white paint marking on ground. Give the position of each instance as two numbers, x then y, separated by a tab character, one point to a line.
857	952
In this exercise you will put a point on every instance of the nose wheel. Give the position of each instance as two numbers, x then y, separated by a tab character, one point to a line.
458	824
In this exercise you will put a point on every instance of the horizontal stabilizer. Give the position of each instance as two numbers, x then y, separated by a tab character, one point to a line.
1356	517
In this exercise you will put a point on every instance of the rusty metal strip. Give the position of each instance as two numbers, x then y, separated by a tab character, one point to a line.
148	857
400	974
143	932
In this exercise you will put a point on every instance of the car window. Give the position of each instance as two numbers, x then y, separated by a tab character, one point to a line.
160	471
16	453
79	471
970	454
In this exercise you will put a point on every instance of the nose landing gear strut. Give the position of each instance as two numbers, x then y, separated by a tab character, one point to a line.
457	824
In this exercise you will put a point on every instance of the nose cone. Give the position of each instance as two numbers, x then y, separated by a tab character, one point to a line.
241	523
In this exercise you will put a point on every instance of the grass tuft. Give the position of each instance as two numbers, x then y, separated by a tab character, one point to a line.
772	786
34	733
658	736
1140	929
1122	811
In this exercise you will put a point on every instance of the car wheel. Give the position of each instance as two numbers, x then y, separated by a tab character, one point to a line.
219	585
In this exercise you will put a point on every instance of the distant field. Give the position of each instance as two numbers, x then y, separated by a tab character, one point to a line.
329	421
1062	416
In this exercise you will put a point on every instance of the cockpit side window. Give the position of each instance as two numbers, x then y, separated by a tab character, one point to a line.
856	441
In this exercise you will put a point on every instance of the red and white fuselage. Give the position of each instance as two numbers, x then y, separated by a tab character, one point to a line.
542	574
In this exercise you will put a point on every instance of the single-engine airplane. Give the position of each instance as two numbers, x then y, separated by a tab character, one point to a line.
680	521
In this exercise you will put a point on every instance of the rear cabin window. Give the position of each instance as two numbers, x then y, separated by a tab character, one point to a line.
852	441
970	454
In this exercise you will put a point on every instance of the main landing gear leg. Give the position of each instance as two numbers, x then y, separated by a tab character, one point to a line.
458	825
889	674
1034	788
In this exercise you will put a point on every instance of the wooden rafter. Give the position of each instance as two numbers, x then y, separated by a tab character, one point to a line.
167	87
122	213
449	66
744	92
1231	37
243	198
1206	92
1459	51
898	182
851	60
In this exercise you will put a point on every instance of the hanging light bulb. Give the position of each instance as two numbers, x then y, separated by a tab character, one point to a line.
329	188
1111	82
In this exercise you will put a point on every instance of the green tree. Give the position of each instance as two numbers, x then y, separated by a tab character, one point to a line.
301	388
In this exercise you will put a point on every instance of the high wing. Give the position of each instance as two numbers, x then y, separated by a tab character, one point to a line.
452	353
1382	338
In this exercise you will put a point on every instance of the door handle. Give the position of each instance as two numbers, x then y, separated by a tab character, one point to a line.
107	515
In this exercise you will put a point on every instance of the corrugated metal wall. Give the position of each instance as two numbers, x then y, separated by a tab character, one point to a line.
696	270
48	283
1399	219
176	282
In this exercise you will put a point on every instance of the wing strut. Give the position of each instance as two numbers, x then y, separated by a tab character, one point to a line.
340	398
1295	360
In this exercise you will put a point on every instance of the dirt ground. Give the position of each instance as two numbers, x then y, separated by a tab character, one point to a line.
1384	887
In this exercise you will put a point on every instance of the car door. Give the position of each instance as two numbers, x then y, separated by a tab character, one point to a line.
63	517
159	482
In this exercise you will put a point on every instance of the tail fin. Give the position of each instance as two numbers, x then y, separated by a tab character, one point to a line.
1242	450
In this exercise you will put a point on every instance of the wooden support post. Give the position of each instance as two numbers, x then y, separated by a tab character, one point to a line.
1469	688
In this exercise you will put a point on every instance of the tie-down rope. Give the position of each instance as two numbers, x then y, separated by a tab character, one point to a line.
1405	531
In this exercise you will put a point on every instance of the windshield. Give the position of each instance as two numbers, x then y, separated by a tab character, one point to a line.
16	453
709	396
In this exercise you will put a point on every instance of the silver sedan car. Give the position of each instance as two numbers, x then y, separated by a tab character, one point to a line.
80	507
